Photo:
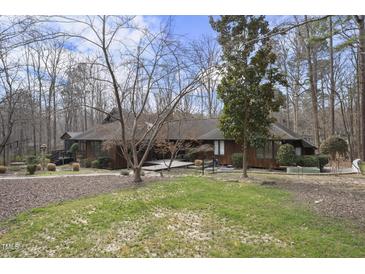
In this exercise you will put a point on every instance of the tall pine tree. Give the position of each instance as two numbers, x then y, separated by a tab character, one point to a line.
250	75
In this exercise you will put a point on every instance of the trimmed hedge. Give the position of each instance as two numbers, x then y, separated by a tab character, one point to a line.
85	163
237	160
33	160
198	162
323	160
51	167
307	161
95	164
101	162
31	169
2	169
286	155
319	160
75	167
312	161
190	155
104	162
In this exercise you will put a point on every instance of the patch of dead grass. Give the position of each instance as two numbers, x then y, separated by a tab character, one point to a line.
192	232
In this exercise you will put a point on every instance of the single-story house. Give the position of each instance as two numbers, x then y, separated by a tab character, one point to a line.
206	131
195	130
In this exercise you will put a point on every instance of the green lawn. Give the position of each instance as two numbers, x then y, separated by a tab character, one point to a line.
190	216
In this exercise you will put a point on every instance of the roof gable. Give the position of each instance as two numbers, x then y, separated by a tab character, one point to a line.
70	134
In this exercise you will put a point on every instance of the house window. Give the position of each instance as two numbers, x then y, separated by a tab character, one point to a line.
268	150
277	144
221	147
298	151
82	146
82	150
218	147
260	153
265	152
96	148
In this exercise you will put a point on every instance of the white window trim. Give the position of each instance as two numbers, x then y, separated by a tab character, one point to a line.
298	151
221	147
218	147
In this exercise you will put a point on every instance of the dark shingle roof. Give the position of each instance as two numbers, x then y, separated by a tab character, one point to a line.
214	134
70	134
277	131
188	129
112	130
100	132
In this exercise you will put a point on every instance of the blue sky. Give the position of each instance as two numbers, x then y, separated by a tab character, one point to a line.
191	26
194	26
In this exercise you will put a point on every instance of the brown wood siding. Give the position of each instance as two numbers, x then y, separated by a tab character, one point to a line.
231	147
89	154
118	161
262	163
308	151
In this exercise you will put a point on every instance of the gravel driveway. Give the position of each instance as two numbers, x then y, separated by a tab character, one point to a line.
17	195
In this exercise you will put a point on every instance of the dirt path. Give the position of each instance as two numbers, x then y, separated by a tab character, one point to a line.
17	195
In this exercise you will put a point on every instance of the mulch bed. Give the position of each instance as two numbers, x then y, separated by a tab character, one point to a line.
338	197
18	195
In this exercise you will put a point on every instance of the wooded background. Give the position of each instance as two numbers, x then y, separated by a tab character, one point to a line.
49	83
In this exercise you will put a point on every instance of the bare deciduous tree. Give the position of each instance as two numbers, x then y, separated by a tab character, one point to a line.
136	76
206	54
